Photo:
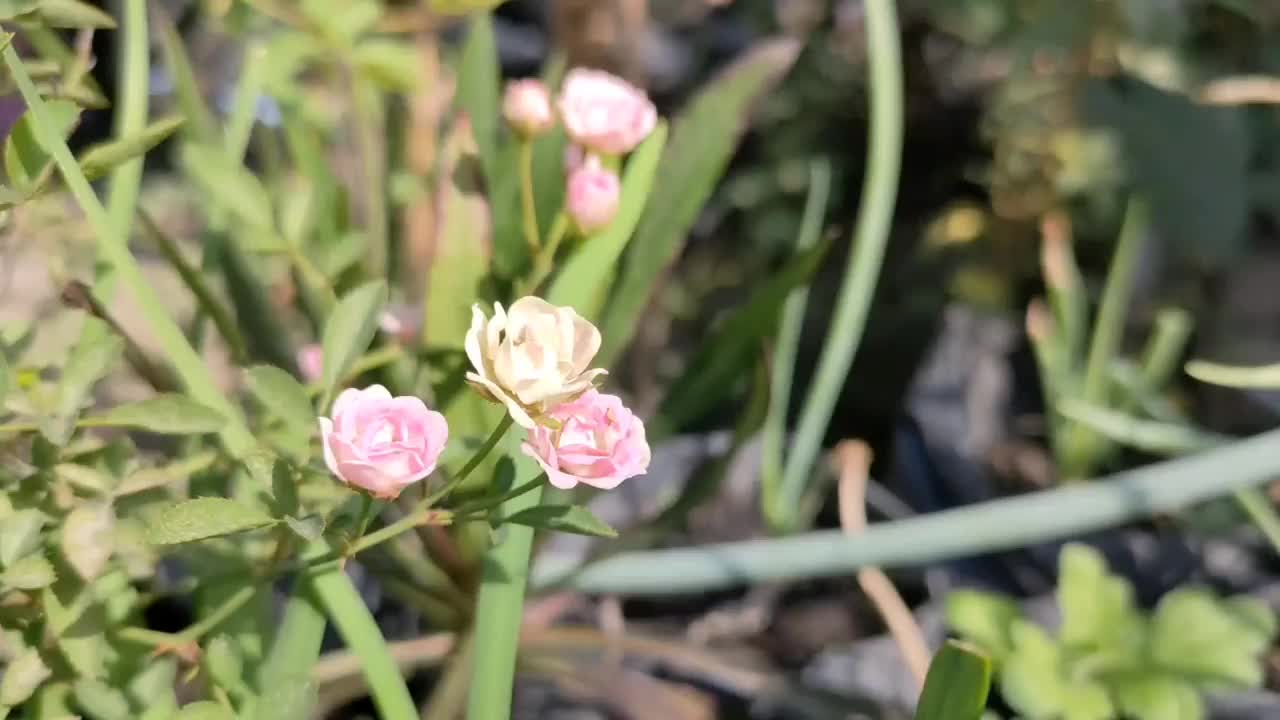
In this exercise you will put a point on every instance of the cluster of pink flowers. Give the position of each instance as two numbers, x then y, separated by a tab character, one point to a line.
604	116
535	359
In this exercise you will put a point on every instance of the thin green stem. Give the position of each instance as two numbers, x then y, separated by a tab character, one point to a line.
544	260
1263	514
134	66
875	215
195	281
244	112
786	345
228	608
528	204
489	444
366	514
112	244
370	121
1081	445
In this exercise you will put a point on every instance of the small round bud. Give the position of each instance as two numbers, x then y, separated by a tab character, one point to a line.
526	106
592	196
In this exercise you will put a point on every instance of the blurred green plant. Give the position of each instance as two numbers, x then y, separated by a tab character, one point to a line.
1109	659
957	684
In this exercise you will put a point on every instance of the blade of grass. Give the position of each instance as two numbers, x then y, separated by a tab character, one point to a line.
870	236
957	686
703	141
786	344
985	527
1081	446
1262	377
580	284
134	65
112	243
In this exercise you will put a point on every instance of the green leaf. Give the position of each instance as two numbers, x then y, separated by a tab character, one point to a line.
392	65
93	356
21	678
460	256
1189	159
152	687
479	88
4	379
167	414
564	518
101	159
87	538
74	14
462	7
1034	683
703	141
232	188
32	572
283	396
585	276
19	535
957	684
350	329
99	700
86	478
26	161
722	356
10	9
293	698
203	518
225	666
200	125
284	488
1157	697
309	528
983	618
203	710
1097	607
1216	644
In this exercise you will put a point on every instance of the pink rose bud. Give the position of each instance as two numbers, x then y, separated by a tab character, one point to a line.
310	361
592	197
599	443
527	107
604	113
380	444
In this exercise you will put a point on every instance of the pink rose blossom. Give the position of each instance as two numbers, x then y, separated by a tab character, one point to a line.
599	443
380	444
592	196
310	361
526	106
605	113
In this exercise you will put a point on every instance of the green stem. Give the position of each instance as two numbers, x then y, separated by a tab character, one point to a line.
113	245
134	65
528	206
481	453
1081	445
544	260
875	215
499	613
985	527
370	126
1263	514
228	608
244	112
785	347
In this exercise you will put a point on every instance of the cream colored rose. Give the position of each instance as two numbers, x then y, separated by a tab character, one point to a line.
532	357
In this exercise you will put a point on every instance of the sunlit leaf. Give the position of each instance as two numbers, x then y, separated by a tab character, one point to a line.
203	518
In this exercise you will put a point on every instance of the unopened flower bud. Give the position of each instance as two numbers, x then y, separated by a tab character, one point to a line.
592	197
526	106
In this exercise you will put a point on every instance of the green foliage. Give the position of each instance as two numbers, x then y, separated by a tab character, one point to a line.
957	684
349	330
1109	659
203	518
166	413
564	518
703	140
